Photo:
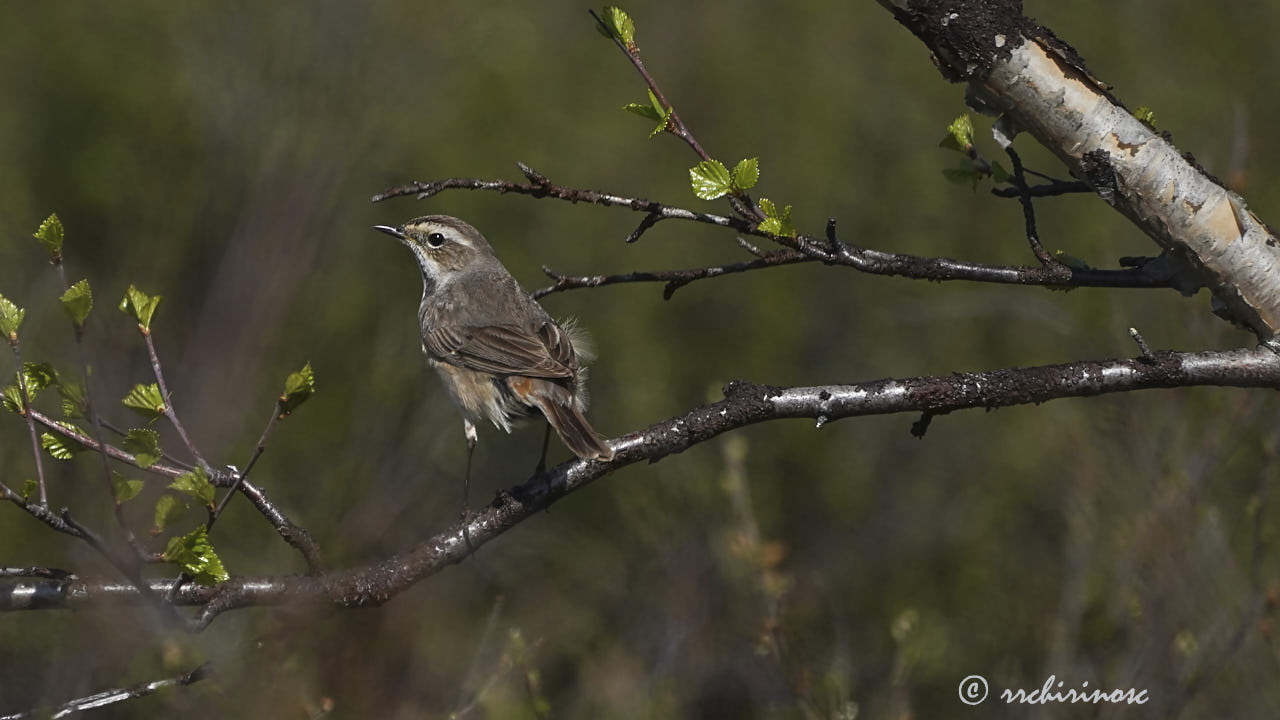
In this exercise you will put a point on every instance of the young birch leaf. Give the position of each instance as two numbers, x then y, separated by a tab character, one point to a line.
168	509
12	398
962	176
73	401
652	111
29	488
297	388
10	318
767	206
39	376
999	174
770	225
50	235
59	447
194	554
746	173
140	306
710	179
196	484
145	446
78	301
621	25
126	489
959	135
145	400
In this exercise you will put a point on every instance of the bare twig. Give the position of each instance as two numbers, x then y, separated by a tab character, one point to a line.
240	476
26	411
110	697
169	411
1028	211
1053	189
744	404
40	572
674	279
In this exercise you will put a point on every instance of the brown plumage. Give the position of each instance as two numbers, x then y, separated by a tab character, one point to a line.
499	354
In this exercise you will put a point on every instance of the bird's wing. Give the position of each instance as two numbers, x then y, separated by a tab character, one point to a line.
544	351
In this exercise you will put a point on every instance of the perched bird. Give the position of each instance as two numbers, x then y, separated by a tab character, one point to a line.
497	351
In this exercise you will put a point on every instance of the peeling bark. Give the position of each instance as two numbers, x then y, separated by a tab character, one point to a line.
1019	69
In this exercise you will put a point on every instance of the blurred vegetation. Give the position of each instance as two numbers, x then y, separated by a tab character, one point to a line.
222	155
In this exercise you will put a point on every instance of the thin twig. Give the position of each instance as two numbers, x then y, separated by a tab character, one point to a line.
865	260
1028	210
240	476
741	202
295	535
674	125
110	697
92	412
674	279
1052	189
163	455
40	572
169	412
70	431
26	411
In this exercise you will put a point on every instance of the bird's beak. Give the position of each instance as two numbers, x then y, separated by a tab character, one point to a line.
393	232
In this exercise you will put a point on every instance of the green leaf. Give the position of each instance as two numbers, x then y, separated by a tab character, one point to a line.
126	489
959	135
644	111
1146	116
297	388
778	223
193	553
710	179
145	400
653	111
12	398
78	301
999	174
50	235
73	400
10	318
59	446
168	509
29	488
140	306
620	24
196	484
746	173
1070	260
39	376
145	446
963	175
74	404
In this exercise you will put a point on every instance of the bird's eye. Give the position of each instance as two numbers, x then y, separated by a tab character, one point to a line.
435	239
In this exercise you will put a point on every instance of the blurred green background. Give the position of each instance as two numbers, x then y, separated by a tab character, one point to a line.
223	156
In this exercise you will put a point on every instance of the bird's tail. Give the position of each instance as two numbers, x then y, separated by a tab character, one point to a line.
574	430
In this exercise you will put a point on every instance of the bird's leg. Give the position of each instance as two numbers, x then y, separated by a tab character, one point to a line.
469	430
542	460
